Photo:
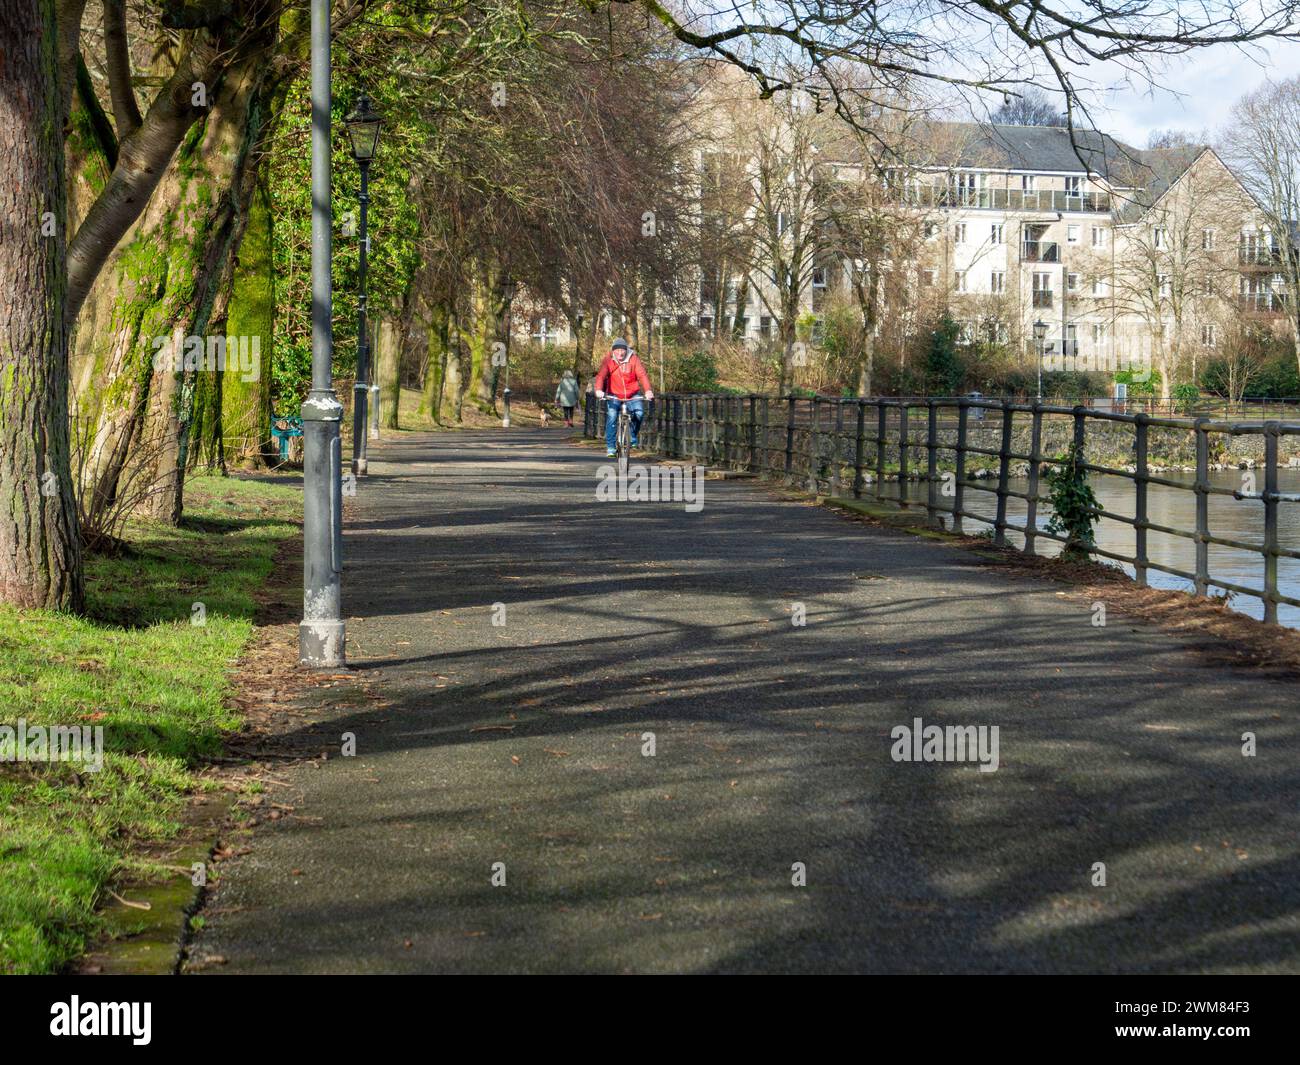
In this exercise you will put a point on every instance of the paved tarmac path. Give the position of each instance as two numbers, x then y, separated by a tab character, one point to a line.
523	744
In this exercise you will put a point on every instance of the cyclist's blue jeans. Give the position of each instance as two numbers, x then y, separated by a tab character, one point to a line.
635	407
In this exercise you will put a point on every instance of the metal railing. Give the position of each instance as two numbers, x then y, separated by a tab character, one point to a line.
1261	301
1255	255
1010	199
849	443
1040	251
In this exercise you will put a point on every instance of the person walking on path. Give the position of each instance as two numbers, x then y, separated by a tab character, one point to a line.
566	395
623	377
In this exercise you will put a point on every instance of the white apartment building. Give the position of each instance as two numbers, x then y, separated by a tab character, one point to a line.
1095	254
1069	247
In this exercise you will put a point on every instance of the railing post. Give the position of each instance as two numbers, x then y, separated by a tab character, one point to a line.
812	446
1080	432
789	437
959	489
1270	522
1035	458
904	487
724	427
836	436
765	464
931	459
753	433
700	420
858	448
1004	474
882	413
1140	515
1202	507
721	446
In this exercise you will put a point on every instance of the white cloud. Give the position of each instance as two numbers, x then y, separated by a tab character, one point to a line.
1194	92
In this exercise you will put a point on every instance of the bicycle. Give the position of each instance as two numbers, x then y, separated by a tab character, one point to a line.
623	438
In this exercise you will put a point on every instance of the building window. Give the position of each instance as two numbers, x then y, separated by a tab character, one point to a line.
1098	287
1072	234
927	278
1207	287
965	181
1160	237
1042	290
1098	237
998	282
1207	240
1163	281
1209	335
959	233
998	233
819	277
706	322
1074	186
1071	282
765	326
1027	182
1099	334
961	280
931	230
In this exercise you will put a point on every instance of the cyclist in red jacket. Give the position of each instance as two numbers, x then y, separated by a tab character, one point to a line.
622	379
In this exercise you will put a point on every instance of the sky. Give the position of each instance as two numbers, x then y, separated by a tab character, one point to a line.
1201	90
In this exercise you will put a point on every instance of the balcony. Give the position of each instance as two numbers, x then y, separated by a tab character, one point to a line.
1264	302
1011	199
1043	297
1068	348
1255	255
1040	251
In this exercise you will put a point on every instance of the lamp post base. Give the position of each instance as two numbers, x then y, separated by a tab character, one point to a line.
320	634
321	644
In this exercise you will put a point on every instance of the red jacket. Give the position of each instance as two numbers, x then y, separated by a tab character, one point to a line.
622	380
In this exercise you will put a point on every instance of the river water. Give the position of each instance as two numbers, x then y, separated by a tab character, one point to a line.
1233	519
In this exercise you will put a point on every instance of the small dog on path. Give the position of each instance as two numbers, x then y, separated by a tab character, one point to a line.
545	418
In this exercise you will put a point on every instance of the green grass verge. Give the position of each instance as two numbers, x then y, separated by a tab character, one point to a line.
157	683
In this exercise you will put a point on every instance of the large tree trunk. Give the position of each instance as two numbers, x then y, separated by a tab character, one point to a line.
143	160
458	368
40	556
210	174
388	373
432	387
483	332
246	396
589	344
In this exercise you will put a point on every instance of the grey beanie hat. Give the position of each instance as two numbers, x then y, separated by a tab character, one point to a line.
618	343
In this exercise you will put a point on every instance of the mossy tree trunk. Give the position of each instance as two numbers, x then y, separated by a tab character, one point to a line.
246	403
40	555
160	288
388	372
433	387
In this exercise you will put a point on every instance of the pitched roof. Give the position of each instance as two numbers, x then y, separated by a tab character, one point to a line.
1044	148
1152	176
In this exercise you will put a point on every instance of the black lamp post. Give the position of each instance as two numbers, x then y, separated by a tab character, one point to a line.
1040	335
363	131
508	290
